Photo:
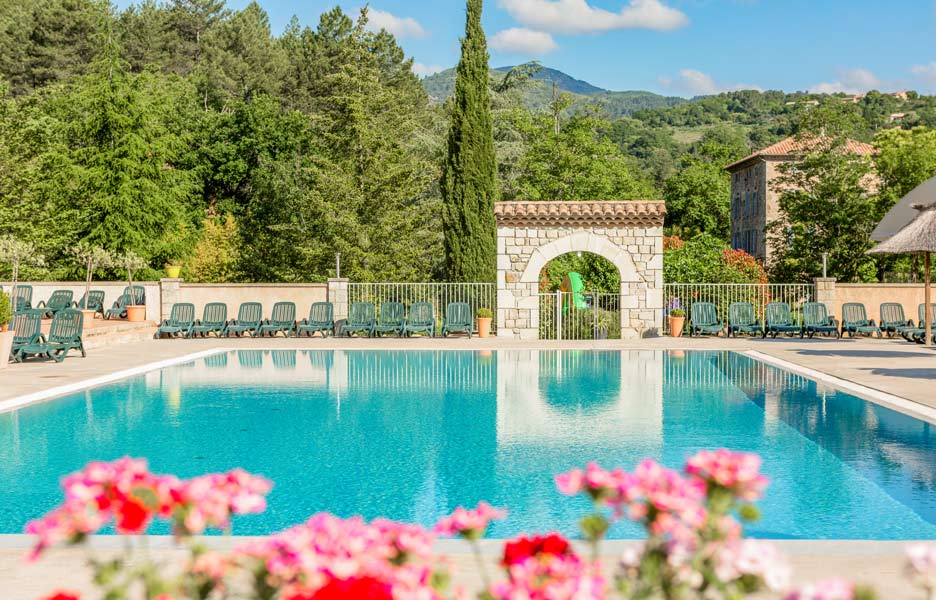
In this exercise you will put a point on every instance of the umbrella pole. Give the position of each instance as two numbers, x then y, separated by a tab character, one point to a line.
928	312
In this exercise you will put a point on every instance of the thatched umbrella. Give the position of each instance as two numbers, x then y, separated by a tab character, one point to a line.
919	235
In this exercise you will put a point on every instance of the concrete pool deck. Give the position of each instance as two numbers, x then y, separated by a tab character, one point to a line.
893	367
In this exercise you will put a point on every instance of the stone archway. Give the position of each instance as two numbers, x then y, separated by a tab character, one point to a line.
627	233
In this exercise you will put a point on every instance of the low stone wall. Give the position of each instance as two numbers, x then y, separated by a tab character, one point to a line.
268	294
872	295
112	292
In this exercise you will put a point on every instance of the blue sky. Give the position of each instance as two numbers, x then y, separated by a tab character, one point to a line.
680	47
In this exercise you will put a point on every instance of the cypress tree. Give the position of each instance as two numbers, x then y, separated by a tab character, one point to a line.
469	174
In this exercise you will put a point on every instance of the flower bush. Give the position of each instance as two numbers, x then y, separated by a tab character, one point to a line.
694	521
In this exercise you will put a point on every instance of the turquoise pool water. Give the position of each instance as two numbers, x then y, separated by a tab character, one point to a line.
412	434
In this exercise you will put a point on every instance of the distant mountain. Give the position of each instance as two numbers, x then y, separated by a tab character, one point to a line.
539	93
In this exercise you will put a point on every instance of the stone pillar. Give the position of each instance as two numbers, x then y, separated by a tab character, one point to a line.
825	292
338	296
169	294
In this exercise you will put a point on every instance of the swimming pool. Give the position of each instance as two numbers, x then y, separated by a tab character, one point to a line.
411	434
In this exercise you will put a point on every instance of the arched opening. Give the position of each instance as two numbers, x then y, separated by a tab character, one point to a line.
580	297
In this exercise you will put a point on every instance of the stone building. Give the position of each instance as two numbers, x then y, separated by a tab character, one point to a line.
754	197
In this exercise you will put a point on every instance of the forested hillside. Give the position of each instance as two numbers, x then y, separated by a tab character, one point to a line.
185	130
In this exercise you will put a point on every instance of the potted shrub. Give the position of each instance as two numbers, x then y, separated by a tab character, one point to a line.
90	257
130	261
484	322
677	318
6	336
173	269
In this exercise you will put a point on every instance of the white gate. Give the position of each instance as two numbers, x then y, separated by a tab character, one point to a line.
579	316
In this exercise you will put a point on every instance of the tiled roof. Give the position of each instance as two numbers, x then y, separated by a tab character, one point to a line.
604	212
791	147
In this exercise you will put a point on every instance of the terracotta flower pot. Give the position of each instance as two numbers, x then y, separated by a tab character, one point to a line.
136	313
88	316
484	327
173	271
6	343
676	326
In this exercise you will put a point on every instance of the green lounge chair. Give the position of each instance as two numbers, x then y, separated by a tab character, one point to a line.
457	319
59	300
284	359
779	320
741	319
703	319
360	319
855	321
91	301
283	319
893	319
915	334
392	319
131	296
249	318
321	319
27	331
64	335
421	320
214	319
22	298
180	322
250	359
816	319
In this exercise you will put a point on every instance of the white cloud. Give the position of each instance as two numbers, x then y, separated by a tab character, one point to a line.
696	83
426	70
518	40
401	27
926	74
850	81
577	16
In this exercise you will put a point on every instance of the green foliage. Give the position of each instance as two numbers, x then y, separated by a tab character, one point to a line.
216	254
130	262
6	308
706	259
469	172
485	313
698	200
598	273
677	312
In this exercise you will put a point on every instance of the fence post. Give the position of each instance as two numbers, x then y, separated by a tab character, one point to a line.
558	315
338	296
825	292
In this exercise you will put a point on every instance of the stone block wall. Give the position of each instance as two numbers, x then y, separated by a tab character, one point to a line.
523	251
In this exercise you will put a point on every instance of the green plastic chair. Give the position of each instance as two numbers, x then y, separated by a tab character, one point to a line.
22	298
893	319
741	319
27	331
64	335
392	319
180	322
360	319
421	320
457	319
282	320
94	300
855	321
703	319
249	318
214	320
916	334
779	320
59	300
131	296
816	319
321	319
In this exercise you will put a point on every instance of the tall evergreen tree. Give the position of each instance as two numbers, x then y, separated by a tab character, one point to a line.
469	173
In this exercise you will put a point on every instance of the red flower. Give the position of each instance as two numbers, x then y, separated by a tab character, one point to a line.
357	588
132	516
522	548
63	595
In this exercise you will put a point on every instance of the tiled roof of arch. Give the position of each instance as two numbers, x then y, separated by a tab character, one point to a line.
637	213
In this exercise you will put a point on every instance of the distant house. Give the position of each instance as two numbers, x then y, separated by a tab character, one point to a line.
855	99
754	200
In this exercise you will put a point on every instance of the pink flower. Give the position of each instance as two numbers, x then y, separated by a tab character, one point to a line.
550	576
736	471
830	589
212	565
603	486
921	566
753	558
470	524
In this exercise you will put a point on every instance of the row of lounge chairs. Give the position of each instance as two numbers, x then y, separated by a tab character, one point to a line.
61	300
362	320
813	319
65	334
